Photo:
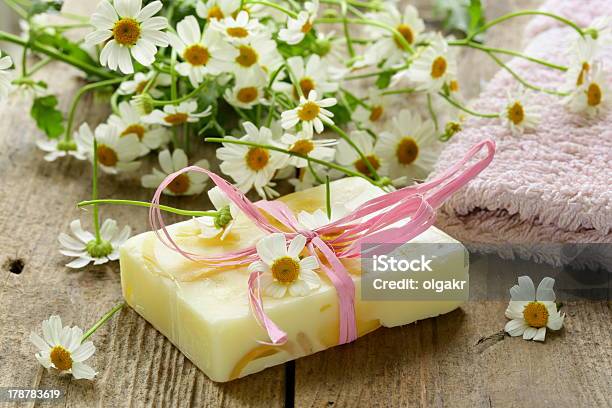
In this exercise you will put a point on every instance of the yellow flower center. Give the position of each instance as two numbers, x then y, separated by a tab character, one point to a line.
306	84
107	156
196	55
257	158
176	119
308	111
238	32
453	85
376	113
285	269
180	185
247	56
61	358
134	129
535	314
438	67
306	27
406	32
594	95
215	12
126	31
302	146
583	72
247	95
362	167
516	113
407	150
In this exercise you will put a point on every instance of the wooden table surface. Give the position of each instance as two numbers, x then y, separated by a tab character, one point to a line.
460	359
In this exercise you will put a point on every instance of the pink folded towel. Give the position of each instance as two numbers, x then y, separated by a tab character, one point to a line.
548	185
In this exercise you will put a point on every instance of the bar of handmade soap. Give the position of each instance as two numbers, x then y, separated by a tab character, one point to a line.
206	314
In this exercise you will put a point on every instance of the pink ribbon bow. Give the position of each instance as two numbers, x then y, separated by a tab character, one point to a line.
395	217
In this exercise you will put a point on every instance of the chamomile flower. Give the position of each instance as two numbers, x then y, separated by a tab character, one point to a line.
311	74
297	28
248	90
84	247
128	30
309	113
128	121
347	156
61	348
593	96
389	47
532	311
518	116
582	56
239	29
434	67
221	224
376	114
283	269
116	153
138	83
408	149
5	76
176	115
185	184
319	218
258	53
252	167
301	143
57	148
216	9
203	52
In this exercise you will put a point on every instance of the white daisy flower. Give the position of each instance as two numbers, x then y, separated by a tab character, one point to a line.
347	156
129	122
186	183
388	47
311	75
283	269
216	9
532	311
297	28
57	148
85	249
61	348
376	114
581	58
116	153
176	115
434	67
258	53
593	96
222	223
408	150
239	29
252	166
202	51
309	113
303	144
319	218
140	80
128	30
248	90
519	116
5	76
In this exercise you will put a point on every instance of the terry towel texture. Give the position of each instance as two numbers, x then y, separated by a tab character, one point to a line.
551	185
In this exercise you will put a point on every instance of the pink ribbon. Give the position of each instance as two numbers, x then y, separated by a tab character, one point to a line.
395	217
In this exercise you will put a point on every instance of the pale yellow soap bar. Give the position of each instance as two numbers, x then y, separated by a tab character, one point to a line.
206	314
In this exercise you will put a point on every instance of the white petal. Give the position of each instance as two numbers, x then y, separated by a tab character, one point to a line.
275	290
83	352
179	159
540	335
299	288
70	243
530	333
149	11
516	327
38	342
524	291
271	247
78	231
311	278
78	263
82	371
309	263
296	246
165	161
109	229
545	291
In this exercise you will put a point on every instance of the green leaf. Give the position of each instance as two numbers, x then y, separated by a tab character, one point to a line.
65	46
476	14
47	117
383	80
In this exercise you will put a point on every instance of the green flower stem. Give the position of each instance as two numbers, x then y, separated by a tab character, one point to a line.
334	166
16	8
399	91
363	157
467	110
345	27
40	64
53	53
376	73
294	80
525	13
314	172
358	100
103	320
475	45
274	6
370	22
174	101
328	198
94	191
368	5
432	112
522	81
78	97
188	213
